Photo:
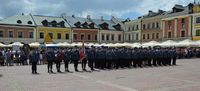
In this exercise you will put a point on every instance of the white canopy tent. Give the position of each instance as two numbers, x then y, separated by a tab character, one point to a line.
168	43
151	44
34	44
2	45
187	43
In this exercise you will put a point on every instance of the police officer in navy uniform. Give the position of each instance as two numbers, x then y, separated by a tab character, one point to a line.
67	58
50	56
59	57
34	61
174	56
75	57
91	54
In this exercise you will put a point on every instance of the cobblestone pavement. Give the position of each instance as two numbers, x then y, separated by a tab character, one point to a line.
184	77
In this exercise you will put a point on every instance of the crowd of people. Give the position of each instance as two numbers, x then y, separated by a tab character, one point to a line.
95	57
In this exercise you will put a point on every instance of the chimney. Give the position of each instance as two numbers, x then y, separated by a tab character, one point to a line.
102	18
22	13
88	17
73	16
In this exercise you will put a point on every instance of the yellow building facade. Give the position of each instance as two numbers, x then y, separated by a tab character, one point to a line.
57	34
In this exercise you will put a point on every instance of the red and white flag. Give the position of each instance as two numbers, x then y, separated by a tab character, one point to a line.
82	52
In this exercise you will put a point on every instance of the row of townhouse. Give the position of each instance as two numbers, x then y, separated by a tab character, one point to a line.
182	22
35	28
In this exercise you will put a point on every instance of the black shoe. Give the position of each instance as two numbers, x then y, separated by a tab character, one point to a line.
76	70
51	71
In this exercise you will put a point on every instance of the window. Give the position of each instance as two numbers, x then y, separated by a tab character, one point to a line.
153	25
143	36
157	35
41	35
67	36
198	20
148	26
137	37
89	37
153	36
51	35
182	20
137	27
82	37
20	34
75	36
95	36
157	25
119	37
182	33
129	37
19	21
133	28
102	37
59	35
182	25
29	22
30	34
1	33
169	35
169	25
129	28
10	34
144	26
197	32
107	37
112	37
148	36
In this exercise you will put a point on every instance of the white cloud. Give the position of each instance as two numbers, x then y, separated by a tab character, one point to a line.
82	8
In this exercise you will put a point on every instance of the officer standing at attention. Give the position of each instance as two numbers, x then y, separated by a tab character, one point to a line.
91	57
50	56
34	61
67	57
75	57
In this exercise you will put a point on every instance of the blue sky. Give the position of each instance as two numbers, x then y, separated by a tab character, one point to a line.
95	8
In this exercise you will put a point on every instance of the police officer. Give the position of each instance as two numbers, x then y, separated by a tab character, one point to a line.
91	54
34	61
67	57
50	56
75	58
59	57
174	56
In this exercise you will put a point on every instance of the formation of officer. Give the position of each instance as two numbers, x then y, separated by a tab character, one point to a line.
110	58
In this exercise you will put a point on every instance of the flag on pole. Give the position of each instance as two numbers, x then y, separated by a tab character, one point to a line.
82	52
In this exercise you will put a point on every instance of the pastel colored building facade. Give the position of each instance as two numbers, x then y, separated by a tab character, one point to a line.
83	29
18	28
151	26
55	27
109	31
177	24
196	22
132	31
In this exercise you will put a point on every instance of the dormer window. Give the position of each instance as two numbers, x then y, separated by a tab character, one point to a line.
104	26
54	24
29	22
85	25
62	24
117	27
78	25
91	25
45	23
19	21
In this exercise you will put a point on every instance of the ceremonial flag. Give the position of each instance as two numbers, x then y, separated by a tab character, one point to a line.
82	52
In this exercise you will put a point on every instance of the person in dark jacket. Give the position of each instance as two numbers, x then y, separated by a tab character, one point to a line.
50	56
34	61
67	58
75	58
